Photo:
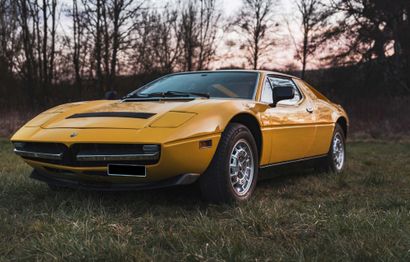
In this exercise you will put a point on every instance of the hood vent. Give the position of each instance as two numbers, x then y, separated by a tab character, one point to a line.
113	114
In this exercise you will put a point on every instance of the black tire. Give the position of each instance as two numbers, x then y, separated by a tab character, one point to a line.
329	164
216	183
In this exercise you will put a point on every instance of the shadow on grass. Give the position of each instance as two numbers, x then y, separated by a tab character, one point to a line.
172	202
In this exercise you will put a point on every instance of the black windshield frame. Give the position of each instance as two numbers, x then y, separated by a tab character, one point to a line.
137	93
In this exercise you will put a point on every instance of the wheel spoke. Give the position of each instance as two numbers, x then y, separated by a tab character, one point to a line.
338	151
241	167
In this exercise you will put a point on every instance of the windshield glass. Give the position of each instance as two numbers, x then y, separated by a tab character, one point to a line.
213	84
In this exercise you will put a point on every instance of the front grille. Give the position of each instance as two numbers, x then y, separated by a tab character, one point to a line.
46	151
54	148
89	155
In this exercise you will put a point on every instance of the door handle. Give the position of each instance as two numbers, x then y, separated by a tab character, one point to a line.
309	109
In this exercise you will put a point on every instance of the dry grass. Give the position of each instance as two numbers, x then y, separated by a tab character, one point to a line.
363	214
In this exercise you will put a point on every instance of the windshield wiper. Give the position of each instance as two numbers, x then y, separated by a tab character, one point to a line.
166	94
133	95
177	94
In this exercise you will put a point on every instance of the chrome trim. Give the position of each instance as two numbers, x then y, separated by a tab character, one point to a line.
123	157
291	78
255	89
293	161
39	155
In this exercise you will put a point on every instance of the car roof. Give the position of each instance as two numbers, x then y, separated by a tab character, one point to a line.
238	70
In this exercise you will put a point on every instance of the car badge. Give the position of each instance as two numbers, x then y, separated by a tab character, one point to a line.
74	134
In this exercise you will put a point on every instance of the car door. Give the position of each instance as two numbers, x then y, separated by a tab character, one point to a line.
324	120
290	125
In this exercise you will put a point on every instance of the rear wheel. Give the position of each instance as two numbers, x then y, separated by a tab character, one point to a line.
336	157
233	172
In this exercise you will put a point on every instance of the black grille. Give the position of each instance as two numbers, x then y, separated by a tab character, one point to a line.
108	148
52	148
69	153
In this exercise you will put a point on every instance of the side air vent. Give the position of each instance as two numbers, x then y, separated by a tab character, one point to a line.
114	114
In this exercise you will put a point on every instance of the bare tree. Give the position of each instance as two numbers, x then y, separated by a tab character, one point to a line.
37	22
209	18
166	40
143	61
93	14
255	23
77	35
123	14
198	28
111	22
370	28
189	35
53	17
27	66
10	48
80	43
313	20
48	10
9	36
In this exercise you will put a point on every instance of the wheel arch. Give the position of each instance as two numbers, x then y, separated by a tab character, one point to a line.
253	125
342	121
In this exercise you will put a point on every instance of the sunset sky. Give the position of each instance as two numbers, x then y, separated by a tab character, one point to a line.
281	55
283	51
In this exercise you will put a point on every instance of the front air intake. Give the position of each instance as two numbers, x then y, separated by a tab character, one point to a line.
141	115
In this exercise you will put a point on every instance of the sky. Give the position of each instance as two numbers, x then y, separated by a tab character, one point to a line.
283	51
281	55
231	6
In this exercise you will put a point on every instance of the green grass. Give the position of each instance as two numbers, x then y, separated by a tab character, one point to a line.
363	214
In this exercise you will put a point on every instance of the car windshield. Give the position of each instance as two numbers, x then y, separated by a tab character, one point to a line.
207	84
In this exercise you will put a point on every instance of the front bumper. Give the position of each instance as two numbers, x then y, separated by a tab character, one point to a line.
76	183
177	157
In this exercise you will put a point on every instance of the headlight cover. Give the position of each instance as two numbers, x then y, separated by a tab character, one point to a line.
44	117
172	119
40	119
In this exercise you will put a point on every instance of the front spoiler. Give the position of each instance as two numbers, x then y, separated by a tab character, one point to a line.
184	179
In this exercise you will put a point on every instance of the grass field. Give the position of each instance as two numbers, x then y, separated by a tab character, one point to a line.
363	214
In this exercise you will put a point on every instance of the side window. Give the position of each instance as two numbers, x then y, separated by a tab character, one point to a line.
266	96
276	81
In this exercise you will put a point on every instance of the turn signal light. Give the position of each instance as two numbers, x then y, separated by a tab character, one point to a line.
205	143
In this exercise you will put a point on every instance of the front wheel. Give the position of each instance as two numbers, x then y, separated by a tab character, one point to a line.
233	172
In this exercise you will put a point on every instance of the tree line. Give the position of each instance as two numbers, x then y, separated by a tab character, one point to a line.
48	46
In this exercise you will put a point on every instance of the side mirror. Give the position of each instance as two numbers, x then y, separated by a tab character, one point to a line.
282	93
111	95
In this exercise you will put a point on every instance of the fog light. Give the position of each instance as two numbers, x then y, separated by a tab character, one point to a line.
205	143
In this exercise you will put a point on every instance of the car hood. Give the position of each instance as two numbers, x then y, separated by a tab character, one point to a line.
110	114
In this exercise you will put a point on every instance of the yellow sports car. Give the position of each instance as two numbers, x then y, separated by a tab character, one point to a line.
224	129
